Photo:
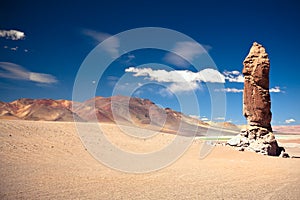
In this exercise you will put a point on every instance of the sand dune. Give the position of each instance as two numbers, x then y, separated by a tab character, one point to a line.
46	160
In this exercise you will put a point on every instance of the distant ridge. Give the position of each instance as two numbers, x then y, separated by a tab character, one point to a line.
38	110
127	110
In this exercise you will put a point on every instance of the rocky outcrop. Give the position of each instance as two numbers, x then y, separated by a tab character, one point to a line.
256	101
258	136
257	139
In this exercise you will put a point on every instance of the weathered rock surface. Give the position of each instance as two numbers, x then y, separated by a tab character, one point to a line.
256	101
258	136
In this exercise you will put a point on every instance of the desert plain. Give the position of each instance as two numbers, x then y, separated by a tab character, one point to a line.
47	160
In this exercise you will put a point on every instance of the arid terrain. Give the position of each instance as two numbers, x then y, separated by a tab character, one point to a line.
149	100
46	160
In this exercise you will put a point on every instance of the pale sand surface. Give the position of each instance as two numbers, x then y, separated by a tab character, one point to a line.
46	160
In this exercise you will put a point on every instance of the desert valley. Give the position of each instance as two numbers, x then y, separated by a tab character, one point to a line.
149	100
103	148
129	148
47	160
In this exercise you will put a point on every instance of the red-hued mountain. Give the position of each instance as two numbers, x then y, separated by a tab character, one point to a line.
38	110
141	112
123	110
101	109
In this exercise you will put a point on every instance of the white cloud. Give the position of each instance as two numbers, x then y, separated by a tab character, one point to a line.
232	90
111	44
14	48
188	50
194	116
220	118
179	80
206	75
288	121
97	36
183	87
204	119
276	89
234	76
41	78
14	71
236	90
12	34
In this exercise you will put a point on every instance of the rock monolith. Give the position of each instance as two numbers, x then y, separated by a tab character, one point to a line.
258	135
256	101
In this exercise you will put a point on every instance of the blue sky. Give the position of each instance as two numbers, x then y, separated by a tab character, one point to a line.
53	39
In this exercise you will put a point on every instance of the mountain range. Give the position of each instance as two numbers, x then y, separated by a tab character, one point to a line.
123	110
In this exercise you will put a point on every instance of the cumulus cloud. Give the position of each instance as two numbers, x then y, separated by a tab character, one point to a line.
206	75
12	34
234	76
288	121
187	50
179	80
183	87
14	71
111	44
276	89
231	90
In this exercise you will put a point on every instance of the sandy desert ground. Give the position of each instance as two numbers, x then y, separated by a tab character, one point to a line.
46	160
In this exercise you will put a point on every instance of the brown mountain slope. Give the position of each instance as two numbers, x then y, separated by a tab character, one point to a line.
225	125
6	111
135	111
117	109
38	110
